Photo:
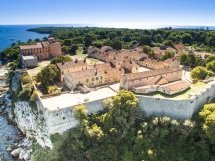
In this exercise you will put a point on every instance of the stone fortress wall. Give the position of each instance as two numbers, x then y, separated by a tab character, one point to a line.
63	119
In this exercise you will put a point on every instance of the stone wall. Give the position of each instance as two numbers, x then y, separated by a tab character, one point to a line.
180	109
63	119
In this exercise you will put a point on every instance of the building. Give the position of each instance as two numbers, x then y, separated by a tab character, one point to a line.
151	81
29	61
42	50
155	64
95	75
72	66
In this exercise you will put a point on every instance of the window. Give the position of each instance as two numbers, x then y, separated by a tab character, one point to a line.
87	80
101	77
92	79
97	78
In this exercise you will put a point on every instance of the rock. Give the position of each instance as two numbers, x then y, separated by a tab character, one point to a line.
9	148
2	157
16	152
23	155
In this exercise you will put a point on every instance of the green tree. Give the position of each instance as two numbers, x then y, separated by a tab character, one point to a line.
73	49
48	76
184	59
26	92
60	59
208	116
148	50
210	58
169	43
187	38
145	40
67	42
211	66
168	55
199	73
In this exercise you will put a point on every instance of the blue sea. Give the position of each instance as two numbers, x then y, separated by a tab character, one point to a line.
12	33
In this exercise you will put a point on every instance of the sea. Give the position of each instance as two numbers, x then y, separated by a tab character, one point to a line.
12	33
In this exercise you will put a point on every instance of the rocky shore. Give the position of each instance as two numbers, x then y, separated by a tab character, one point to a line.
13	143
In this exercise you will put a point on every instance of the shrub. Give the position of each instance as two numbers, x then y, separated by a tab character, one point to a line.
25	93
26	79
60	59
211	66
199	73
52	89
208	116
48	76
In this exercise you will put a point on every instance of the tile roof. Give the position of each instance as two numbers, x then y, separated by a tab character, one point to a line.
134	76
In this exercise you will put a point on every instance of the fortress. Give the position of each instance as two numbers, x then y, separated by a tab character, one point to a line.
157	84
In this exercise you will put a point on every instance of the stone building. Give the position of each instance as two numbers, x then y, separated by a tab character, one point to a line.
93	76
29	61
155	64
42	50
150	78
72	66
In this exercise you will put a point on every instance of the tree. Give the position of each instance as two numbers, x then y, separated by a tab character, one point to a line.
122	114
199	73
158	38
211	66
67	42
26	92
191	59
210	58
208	116
60	59
168	55
116	44
145	40
148	50
184	59
73	49
169	43
26	79
48	76
187	38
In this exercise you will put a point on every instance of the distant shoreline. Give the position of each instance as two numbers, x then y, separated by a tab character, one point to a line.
200	27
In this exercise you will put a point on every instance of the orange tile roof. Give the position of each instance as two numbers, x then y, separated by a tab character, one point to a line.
134	76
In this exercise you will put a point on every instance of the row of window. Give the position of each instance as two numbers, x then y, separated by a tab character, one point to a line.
97	78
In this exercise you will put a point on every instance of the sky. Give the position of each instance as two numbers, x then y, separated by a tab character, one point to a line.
109	13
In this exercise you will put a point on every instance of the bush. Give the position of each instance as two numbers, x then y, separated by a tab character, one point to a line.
26	79
48	76
25	93
199	73
208	116
60	59
168	55
211	66
52	89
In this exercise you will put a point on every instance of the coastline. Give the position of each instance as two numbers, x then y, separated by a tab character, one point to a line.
14	143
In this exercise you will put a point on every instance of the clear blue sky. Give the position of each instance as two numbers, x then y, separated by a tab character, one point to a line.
122	13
